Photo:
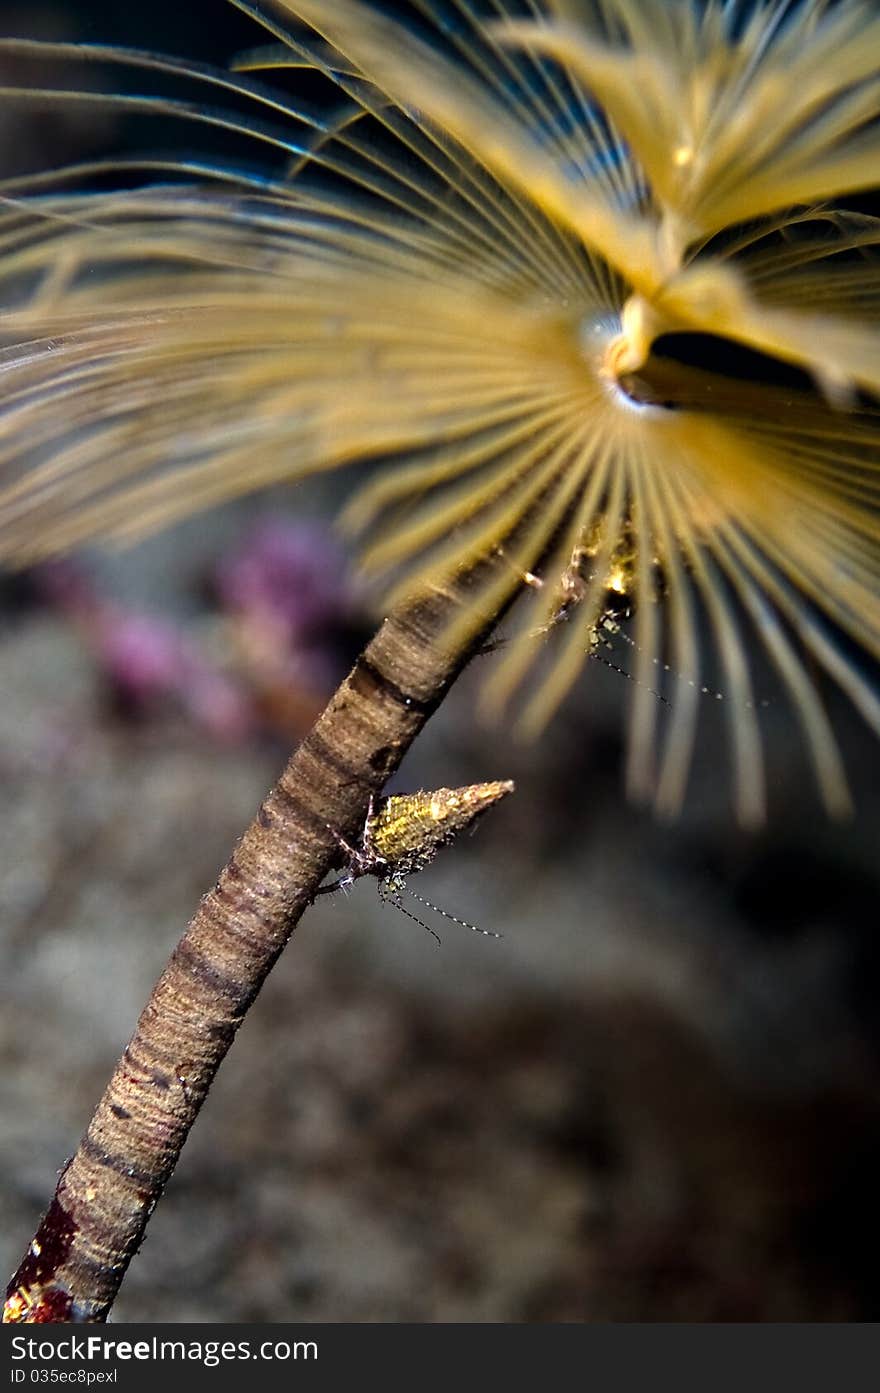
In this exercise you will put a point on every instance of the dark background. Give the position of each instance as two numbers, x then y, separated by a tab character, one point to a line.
655	1099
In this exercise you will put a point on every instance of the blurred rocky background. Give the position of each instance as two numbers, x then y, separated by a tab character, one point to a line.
656	1098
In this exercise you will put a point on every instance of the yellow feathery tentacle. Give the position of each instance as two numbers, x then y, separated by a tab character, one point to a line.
453	271
414	75
730	125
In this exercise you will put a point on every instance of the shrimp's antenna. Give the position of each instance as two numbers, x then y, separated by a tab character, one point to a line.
488	933
393	897
622	672
667	667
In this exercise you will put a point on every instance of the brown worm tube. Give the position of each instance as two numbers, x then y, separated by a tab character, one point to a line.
106	1193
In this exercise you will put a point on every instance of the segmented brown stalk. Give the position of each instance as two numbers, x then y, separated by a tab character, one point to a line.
106	1193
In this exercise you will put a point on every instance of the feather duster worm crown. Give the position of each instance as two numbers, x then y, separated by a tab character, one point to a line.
464	271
